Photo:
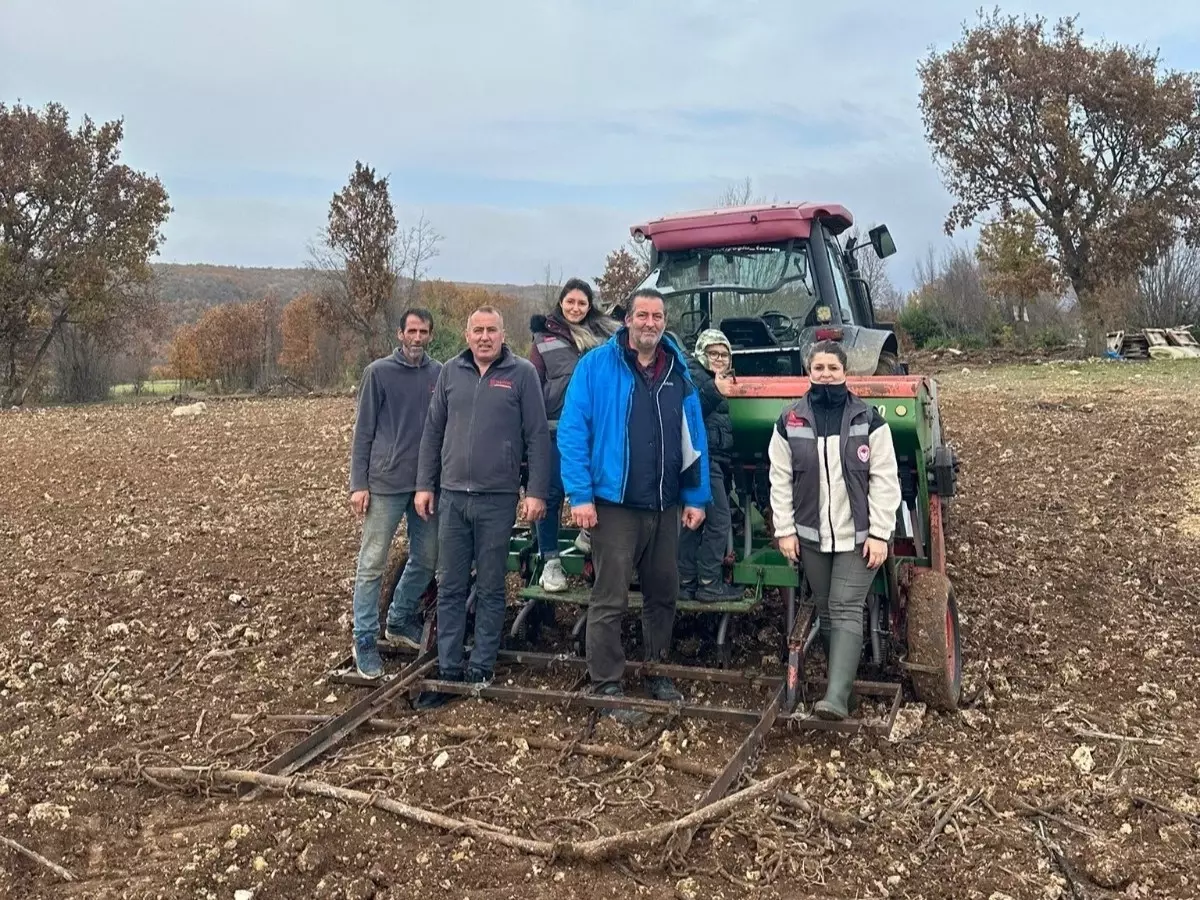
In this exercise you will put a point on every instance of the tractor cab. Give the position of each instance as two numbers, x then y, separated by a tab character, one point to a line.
775	279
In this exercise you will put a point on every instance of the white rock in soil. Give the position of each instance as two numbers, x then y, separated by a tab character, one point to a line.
442	759
909	720
1082	758
243	894
192	409
48	812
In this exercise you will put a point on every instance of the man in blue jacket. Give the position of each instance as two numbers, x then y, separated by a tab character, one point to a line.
633	446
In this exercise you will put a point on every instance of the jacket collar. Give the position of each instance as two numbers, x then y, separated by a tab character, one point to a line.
504	360
620	340
399	357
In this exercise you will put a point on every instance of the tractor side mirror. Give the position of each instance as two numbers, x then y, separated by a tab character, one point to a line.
881	240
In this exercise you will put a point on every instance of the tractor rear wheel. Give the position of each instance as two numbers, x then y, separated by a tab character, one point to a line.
889	364
934	645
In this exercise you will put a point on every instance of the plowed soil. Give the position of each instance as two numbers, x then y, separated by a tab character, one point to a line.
160	576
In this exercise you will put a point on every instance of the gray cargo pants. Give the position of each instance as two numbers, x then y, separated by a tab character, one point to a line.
839	583
625	540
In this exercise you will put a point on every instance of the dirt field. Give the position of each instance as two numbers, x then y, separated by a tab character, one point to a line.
159	575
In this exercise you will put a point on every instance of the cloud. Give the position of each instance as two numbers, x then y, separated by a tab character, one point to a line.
531	131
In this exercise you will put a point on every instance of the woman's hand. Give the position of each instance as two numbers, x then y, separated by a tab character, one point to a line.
724	382
790	548
875	552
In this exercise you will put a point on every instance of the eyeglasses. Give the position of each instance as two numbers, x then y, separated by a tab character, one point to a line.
718	354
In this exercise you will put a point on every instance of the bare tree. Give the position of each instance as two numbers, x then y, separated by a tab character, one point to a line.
416	247
551	285
1168	293
950	288
741	193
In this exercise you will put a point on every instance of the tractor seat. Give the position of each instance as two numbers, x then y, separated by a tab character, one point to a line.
748	332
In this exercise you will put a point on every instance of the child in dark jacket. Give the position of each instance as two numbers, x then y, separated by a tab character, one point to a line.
702	552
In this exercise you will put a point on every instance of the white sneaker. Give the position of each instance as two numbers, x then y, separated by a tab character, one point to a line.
554	579
583	541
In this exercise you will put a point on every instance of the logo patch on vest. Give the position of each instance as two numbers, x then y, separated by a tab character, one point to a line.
501	383
864	452
795	420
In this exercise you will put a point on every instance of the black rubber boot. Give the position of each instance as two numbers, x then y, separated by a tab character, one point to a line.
845	649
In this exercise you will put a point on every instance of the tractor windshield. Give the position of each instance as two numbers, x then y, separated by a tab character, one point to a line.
705	287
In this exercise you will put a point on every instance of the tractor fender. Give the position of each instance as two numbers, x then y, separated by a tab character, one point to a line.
863	346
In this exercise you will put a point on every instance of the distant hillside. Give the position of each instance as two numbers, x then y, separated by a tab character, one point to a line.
188	290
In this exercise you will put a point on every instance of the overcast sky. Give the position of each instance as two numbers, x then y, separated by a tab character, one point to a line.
531	132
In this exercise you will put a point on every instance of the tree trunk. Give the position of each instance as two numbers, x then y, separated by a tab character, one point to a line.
16	393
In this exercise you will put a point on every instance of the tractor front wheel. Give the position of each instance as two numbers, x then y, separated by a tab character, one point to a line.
934	645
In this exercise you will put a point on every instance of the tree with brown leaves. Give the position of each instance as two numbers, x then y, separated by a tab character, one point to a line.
1093	138
355	255
77	231
1017	265
623	272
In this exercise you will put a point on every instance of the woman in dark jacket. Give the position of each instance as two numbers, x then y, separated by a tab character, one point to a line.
702	551
573	328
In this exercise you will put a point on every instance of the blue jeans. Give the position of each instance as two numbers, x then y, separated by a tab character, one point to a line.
384	513
472	528
547	529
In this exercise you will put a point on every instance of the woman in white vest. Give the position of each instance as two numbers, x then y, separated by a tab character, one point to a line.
835	491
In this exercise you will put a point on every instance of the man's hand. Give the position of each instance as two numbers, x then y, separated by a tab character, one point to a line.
359	501
423	504
533	509
790	548
693	517
584	515
875	552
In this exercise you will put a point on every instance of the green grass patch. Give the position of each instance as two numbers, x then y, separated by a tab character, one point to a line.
168	386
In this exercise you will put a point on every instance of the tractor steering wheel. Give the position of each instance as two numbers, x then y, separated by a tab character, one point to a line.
780	325
689	331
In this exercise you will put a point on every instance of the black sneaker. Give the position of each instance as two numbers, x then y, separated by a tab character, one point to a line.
631	718
687	590
663	688
427	700
719	592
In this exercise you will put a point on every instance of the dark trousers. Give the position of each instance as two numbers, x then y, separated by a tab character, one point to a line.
625	540
472	528
702	552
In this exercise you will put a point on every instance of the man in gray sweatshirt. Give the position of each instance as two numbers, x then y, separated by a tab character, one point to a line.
392	404
487	412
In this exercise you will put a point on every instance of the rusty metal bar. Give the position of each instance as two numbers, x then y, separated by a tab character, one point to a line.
736	765
594	701
337	729
891	692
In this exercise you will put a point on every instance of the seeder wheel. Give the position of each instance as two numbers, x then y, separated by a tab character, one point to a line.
934	645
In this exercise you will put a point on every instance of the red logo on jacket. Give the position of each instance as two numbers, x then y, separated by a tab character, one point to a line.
795	420
501	383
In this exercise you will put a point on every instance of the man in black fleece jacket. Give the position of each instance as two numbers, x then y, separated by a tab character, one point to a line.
487	412
392	403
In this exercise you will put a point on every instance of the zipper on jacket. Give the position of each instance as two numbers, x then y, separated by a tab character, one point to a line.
829	498
471	425
662	437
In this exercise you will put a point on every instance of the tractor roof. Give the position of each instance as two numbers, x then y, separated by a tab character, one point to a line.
742	225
